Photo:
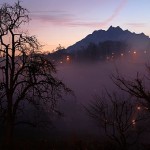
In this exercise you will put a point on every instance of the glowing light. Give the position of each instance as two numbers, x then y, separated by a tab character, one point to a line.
138	108
145	52
61	62
122	54
134	52
146	108
68	58
133	122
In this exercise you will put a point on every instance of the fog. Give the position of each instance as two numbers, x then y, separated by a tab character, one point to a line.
90	79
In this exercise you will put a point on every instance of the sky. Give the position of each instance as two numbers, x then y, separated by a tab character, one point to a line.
65	22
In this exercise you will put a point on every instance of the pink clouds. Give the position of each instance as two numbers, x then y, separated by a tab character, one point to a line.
115	13
67	19
63	19
53	18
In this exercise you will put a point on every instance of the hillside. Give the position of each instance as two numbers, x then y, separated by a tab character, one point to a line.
135	41
102	44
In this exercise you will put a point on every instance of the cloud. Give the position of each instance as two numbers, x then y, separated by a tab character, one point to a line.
48	11
115	13
136	25
64	18
52	16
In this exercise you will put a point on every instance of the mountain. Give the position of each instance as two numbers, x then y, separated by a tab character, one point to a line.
103	45
114	34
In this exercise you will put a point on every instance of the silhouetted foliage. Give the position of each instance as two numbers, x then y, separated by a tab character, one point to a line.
119	117
58	54
93	52
100	51
137	87
27	77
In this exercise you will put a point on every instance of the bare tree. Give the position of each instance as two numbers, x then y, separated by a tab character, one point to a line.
26	76
137	87
118	117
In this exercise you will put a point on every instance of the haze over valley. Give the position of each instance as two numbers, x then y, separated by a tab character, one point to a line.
74	75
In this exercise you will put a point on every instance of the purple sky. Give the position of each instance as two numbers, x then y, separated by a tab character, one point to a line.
65	22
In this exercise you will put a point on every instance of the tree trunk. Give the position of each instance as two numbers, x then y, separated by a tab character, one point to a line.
9	129
8	135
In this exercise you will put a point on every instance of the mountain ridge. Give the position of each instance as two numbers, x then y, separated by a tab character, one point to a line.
135	40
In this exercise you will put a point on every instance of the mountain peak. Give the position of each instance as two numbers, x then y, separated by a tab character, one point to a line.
134	40
114	28
110	28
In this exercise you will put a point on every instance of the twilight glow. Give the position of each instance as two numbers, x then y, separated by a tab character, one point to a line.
65	22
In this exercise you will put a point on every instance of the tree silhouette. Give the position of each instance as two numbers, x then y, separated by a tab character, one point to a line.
137	87
26	76
118	117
